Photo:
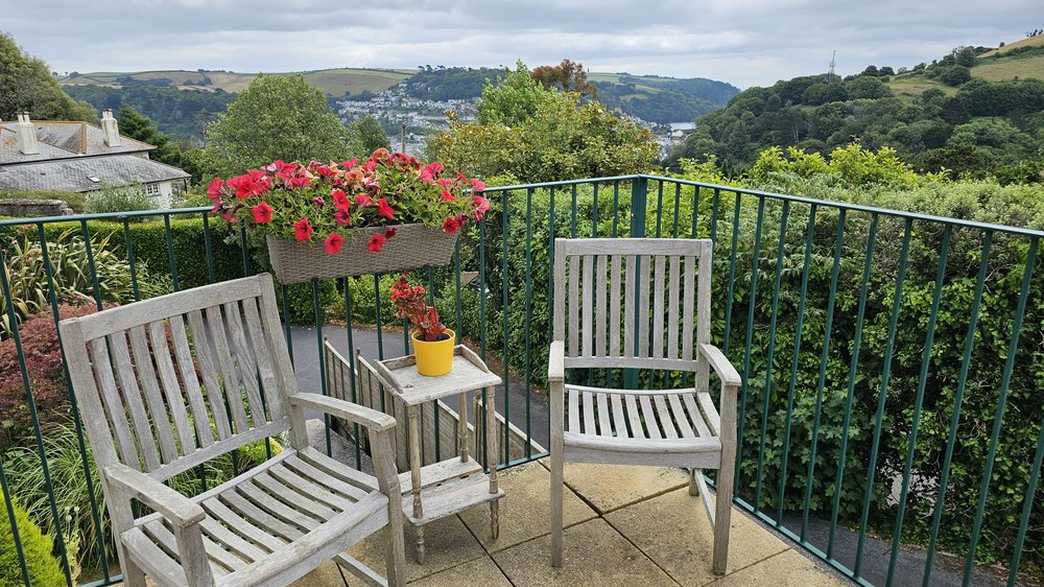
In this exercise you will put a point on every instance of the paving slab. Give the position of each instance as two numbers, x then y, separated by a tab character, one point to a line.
448	543
525	511
609	487
482	571
787	569
673	530
594	554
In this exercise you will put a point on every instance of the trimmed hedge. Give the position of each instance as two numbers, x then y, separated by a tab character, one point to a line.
43	567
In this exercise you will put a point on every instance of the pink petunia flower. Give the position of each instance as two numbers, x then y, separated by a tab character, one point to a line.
303	230
376	242
384	210
333	243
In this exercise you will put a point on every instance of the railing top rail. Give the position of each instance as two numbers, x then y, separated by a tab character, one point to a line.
114	216
860	207
1027	232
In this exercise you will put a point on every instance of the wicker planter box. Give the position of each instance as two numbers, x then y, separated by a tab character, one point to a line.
413	246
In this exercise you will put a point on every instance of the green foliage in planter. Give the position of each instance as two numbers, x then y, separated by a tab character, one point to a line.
43	567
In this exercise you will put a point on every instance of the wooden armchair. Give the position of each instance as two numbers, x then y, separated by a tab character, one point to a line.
169	383
594	280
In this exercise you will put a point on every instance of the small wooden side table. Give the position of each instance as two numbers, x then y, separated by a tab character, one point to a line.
450	486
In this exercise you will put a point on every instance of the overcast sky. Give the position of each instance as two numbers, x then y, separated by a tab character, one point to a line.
745	42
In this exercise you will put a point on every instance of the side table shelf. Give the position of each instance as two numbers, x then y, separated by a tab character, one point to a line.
447	487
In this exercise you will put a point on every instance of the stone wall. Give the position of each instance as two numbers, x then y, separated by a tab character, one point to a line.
21	208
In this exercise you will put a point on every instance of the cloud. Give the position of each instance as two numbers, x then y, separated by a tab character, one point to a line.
746	42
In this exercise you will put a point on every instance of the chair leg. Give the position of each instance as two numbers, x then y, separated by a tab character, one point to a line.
693	489
722	516
133	576
556	508
395	554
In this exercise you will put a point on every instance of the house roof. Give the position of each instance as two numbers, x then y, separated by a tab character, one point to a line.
63	138
85	174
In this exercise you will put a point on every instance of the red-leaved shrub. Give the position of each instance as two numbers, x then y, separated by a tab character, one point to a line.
43	360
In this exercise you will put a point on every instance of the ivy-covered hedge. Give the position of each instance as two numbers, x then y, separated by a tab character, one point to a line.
759	478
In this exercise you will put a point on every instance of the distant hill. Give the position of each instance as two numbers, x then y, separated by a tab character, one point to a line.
335	82
976	111
182	101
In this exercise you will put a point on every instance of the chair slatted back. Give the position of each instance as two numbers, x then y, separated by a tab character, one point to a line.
633	303
171	382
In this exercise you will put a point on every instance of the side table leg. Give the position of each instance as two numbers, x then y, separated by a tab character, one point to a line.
415	478
493	458
463	447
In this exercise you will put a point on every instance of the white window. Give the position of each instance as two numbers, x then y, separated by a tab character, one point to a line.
152	189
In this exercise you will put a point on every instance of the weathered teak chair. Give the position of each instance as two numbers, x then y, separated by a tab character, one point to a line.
594	280
169	383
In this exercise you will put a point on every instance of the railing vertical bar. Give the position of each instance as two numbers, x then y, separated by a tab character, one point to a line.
286	321
694	220
857	342
349	321
1027	508
659	208
317	311
732	271
616	208
244	250
73	406
810	235
85	232
882	396
172	262
677	203
751	304
30	401
460	339
594	212
128	246
998	417
482	288
377	317
207	248
505	298
715	198
821	382
958	397
769	367
639	202
922	382
15	534
529	310
550	295
572	214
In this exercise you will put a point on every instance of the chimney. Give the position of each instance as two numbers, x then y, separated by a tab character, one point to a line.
110	129
26	135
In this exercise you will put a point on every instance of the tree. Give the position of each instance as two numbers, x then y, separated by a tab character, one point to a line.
866	87
567	76
371	134
277	117
512	100
965	56
139	127
954	75
27	85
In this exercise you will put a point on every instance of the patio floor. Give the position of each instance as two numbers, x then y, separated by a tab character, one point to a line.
624	526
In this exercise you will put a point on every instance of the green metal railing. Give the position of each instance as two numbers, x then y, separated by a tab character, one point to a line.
847	316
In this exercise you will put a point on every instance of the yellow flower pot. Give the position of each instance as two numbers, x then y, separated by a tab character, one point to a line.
434	358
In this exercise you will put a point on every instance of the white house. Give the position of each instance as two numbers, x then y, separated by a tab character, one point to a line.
79	157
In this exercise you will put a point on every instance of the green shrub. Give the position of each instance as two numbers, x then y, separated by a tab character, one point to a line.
43	567
120	199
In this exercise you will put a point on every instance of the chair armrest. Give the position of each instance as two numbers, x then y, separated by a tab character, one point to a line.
556	362
180	510
372	419
721	365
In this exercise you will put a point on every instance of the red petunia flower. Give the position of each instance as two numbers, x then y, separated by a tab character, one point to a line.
333	243
451	225
214	189
430	172
447	196
376	242
363	200
384	210
481	207
343	217
319	201
325	170
478	185
340	199
390	232
252	183
303	230
349	163
262	213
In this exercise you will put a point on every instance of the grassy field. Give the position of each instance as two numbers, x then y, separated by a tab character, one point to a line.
1037	41
331	81
1006	68
911	84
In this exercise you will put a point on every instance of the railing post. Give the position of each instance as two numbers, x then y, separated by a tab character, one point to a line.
639	197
